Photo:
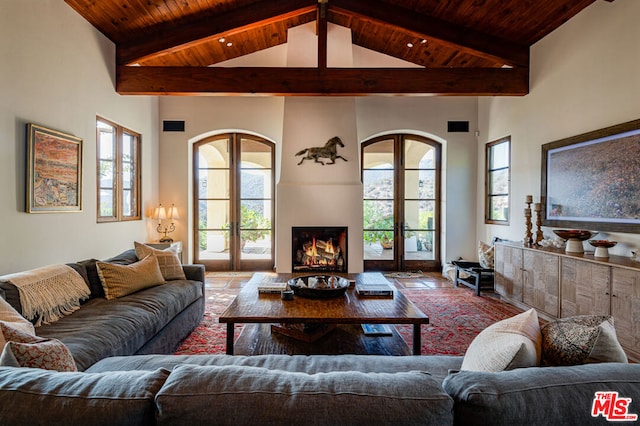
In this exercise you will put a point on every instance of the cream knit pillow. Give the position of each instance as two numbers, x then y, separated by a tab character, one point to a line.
120	280
512	343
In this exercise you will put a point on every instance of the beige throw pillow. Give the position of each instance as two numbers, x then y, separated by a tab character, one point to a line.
168	259
120	280
12	318
512	343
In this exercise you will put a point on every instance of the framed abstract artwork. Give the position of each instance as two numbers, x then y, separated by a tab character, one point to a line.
592	181
54	171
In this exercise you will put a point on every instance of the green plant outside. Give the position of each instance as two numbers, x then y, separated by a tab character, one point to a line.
253	225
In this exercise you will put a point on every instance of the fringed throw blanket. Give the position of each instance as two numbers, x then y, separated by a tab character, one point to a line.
49	293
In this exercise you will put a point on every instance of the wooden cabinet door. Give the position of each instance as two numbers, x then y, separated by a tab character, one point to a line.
585	288
540	281
508	272
625	306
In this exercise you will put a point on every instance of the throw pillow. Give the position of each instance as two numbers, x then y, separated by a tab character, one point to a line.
12	318
485	255
511	343
581	339
120	280
168	259
26	350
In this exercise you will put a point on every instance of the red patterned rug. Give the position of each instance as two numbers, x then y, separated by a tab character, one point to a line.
456	317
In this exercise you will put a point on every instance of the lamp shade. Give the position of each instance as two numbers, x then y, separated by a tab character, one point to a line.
160	213
173	212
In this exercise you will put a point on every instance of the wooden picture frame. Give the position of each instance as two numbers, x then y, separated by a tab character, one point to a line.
592	181
54	171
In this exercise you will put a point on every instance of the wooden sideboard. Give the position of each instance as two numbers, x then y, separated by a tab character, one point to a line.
559	284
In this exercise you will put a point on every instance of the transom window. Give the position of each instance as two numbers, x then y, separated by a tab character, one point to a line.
118	152
498	181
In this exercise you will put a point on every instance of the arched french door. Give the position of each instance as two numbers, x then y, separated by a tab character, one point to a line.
234	204
401	177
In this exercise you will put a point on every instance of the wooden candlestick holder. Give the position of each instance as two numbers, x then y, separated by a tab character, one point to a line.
528	236
539	234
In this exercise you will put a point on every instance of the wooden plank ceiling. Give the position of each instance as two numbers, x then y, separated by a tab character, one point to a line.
463	47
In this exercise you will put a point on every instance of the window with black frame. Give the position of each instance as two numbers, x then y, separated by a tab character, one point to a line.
498	181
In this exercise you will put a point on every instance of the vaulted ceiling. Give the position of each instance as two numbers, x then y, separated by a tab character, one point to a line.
462	47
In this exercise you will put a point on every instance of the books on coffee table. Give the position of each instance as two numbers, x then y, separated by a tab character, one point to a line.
271	288
374	290
377	329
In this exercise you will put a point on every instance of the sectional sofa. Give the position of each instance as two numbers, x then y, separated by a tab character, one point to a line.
121	383
153	320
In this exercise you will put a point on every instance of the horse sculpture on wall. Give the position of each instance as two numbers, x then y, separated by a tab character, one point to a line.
329	150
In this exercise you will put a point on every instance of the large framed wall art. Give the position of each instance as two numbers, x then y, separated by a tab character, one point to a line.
592	181
54	171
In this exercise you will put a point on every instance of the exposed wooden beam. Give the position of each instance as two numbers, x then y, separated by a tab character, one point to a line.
316	81
428	27
322	25
169	37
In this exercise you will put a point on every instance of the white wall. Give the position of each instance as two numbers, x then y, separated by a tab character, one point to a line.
58	71
584	76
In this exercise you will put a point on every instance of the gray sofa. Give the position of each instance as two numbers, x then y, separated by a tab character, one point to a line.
309	390
152	321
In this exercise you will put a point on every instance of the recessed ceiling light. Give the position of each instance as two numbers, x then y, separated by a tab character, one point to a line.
423	41
221	39
409	45
229	44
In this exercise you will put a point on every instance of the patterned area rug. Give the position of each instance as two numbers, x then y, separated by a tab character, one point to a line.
456	317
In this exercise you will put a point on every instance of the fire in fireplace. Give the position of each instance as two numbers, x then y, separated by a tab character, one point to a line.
319	249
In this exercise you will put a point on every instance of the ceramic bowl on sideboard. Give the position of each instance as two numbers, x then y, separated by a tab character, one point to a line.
578	234
602	247
574	238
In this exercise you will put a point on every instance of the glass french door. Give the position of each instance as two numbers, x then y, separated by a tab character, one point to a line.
233	202
401	203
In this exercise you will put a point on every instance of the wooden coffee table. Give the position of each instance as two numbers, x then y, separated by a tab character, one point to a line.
252	307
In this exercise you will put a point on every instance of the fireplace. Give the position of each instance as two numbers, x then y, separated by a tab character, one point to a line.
319	248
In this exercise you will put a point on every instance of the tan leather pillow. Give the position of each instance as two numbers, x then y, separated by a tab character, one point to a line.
120	280
168	259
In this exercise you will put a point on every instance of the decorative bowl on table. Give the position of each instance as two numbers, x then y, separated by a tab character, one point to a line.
319	286
602	247
574	238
